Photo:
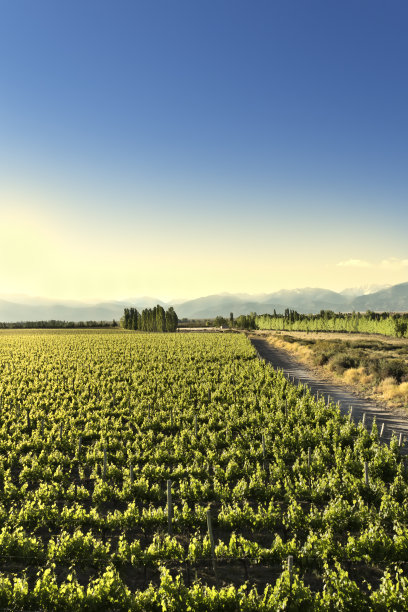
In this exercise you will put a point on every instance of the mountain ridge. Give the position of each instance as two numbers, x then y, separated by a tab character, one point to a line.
305	300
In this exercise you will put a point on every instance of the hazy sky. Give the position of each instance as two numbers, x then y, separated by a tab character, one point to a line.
182	148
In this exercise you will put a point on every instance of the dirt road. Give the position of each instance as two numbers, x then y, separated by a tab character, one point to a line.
299	373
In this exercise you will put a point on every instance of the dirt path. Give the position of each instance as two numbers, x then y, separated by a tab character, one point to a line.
299	373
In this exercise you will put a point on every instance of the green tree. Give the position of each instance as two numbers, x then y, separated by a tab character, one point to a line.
171	320
220	321
150	319
160	319
126	316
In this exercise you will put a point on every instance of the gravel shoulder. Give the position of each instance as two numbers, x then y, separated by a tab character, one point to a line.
299	373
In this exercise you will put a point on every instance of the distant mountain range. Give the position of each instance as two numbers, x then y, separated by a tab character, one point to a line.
390	298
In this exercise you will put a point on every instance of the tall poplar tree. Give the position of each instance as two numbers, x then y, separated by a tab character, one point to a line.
150	319
160	319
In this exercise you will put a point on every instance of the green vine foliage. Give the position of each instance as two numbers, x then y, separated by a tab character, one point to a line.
95	423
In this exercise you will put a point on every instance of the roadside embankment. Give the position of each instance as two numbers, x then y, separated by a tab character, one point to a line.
373	366
280	358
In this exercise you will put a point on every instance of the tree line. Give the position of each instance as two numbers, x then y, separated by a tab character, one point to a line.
370	322
150	319
55	324
386	323
241	322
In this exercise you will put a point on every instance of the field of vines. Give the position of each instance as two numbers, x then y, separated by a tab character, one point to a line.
180	472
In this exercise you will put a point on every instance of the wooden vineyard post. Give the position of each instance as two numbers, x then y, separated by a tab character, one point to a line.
382	430
290	570
400	439
211	536
169	508
351	413
309	455
363	419
188	576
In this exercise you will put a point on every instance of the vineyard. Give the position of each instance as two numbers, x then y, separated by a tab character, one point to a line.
180	472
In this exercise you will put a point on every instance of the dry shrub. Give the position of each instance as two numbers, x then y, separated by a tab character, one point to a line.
387	382
385	369
342	361
391	390
357	376
304	352
404	389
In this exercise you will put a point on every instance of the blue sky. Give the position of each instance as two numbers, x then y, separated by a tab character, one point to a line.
184	148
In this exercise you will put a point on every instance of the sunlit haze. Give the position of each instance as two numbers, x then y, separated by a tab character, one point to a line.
180	149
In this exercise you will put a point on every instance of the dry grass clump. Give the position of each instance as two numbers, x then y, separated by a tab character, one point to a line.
391	390
358	376
303	352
